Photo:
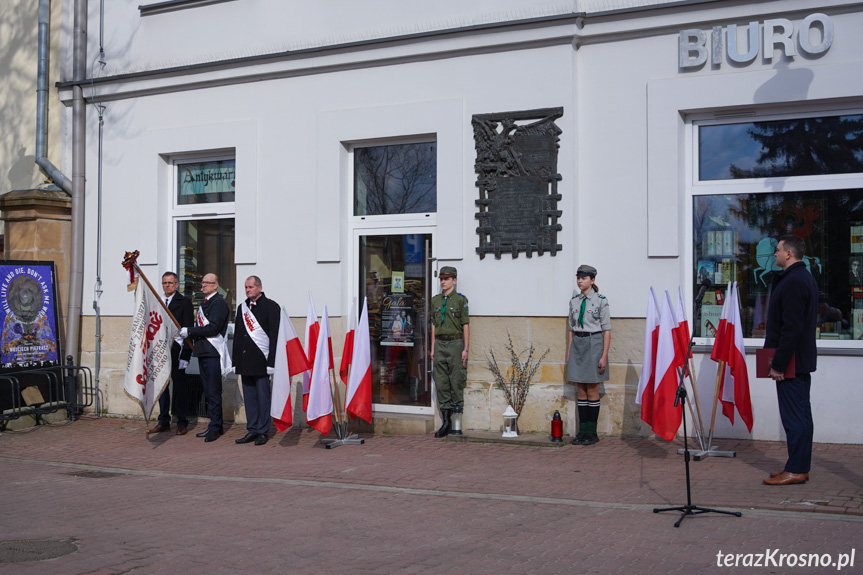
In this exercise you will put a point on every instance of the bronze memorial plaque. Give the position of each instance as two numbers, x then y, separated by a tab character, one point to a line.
516	166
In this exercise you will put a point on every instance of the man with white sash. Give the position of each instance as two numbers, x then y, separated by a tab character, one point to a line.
211	349
256	333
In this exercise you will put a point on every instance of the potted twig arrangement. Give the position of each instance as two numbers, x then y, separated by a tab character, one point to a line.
517	385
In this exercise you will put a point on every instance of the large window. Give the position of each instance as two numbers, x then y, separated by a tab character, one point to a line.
204	194
735	237
395	179
758	180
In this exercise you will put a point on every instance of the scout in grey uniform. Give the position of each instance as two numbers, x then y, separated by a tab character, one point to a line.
451	334
587	351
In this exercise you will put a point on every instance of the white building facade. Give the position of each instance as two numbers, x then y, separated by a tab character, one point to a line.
679	151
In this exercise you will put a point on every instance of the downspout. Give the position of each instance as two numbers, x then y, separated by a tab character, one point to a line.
79	127
42	102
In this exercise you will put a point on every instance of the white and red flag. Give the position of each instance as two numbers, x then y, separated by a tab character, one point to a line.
735	380
682	330
290	361
149	364
720	342
358	399
319	412
646	381
348	351
311	339
666	416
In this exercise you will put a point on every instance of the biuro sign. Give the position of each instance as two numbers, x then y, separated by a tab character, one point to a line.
810	39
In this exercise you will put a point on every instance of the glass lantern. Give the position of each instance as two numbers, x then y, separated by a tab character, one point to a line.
510	417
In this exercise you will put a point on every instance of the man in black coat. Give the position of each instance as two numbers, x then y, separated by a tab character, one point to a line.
181	308
791	319
208	335
256	333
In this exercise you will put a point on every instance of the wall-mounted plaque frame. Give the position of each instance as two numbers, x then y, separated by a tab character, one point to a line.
516	167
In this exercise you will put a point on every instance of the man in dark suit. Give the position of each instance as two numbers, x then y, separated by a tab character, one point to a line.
791	319
208	335
256	333
181	308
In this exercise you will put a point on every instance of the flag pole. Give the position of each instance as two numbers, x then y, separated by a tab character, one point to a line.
695	393
720	373
694	422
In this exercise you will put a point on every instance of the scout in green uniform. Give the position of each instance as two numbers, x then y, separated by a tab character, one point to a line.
587	351
451	334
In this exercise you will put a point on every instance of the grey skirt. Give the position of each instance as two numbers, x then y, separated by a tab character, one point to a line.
582	365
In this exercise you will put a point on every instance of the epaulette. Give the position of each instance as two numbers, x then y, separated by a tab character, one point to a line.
601	296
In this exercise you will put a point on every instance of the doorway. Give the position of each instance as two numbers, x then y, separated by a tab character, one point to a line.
394	274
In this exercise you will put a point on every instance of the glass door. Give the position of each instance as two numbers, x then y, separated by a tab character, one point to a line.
394	276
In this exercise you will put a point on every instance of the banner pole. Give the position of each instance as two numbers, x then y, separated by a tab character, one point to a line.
131	260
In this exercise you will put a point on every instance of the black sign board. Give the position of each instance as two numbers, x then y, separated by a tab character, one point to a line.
516	166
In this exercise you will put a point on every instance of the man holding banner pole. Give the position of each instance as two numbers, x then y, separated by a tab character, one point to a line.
182	310
256	332
211	349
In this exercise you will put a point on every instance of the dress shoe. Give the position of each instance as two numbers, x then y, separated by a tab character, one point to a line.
211	436
206	431
182	430
590	439
160	428
262	439
787	478
248	438
579	439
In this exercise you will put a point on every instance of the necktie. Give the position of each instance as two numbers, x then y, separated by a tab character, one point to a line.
581	312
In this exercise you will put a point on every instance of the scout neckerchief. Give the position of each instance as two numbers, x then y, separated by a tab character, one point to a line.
581	310
254	329
218	342
443	307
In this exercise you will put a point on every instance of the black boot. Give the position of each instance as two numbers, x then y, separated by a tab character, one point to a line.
444	428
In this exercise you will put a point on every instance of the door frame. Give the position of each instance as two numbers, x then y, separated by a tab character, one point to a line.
395	230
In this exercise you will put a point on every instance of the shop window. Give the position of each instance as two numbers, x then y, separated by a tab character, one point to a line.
395	179
734	240
205	182
814	146
206	246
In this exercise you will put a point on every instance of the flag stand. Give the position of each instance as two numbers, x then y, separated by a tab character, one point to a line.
689	508
711	451
341	424
342	437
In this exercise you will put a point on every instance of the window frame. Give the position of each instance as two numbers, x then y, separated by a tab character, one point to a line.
792	184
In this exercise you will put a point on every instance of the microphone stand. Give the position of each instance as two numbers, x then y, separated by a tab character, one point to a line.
680	398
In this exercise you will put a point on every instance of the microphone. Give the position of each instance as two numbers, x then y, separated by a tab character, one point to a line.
705	283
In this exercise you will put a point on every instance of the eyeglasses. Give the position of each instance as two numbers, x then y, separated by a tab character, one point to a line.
168	283
209	283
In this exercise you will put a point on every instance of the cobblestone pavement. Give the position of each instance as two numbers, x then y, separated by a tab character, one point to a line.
410	504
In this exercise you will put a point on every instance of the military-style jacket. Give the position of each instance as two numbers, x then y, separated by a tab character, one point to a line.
449	313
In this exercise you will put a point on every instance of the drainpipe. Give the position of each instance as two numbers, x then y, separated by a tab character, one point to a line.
79	127
42	102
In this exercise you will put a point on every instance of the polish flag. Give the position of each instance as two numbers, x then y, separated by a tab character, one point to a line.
358	400
312	329
735	383
347	352
720	342
682	330
319	412
666	417
646	381
288	364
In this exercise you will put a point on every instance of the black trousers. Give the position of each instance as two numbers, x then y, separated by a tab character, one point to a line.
181	399
795	410
257	397
211	378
